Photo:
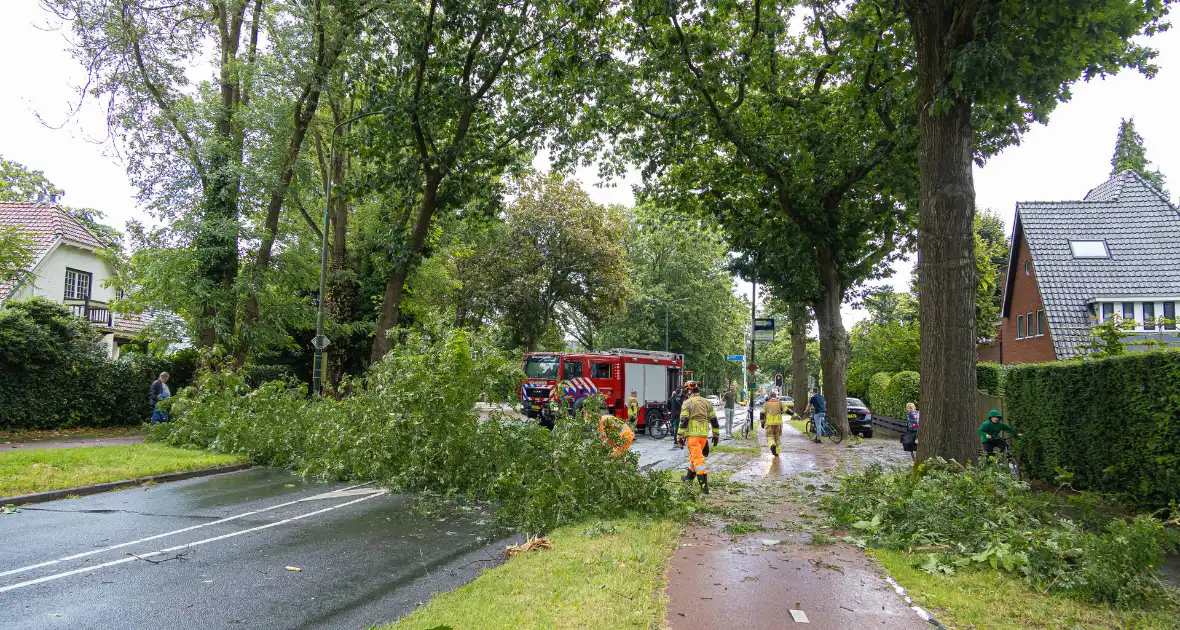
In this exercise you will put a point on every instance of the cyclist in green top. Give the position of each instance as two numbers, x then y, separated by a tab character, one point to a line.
989	433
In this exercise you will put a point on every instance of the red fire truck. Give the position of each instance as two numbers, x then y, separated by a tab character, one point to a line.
614	374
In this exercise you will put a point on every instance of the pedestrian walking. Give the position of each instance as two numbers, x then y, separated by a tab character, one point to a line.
819	412
730	401
157	392
698	419
773	422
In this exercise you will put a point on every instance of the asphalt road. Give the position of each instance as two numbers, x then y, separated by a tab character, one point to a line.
213	552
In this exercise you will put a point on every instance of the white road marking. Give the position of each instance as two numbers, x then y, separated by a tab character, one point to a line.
325	495
58	576
799	616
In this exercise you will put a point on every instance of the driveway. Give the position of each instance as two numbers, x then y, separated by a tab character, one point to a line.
214	552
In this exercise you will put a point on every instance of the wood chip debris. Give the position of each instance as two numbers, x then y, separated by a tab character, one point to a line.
532	544
295	569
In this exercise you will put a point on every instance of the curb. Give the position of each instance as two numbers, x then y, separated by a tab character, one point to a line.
54	495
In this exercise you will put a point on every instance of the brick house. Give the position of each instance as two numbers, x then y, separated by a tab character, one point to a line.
67	269
1116	252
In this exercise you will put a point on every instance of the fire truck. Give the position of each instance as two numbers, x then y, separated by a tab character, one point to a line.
571	377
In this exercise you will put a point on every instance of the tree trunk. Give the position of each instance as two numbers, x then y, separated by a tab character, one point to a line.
833	344
391	303
946	245
799	319
342	284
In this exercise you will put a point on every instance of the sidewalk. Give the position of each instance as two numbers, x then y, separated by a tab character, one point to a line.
71	442
740	578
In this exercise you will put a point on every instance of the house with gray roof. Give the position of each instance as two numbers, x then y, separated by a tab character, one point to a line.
67	269
1074	263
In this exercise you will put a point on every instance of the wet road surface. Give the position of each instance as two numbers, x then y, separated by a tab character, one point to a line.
213	552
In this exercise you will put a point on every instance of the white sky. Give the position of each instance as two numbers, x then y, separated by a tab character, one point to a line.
1059	161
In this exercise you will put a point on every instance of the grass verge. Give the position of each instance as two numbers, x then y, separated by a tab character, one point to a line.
997	601
599	574
723	448
800	425
42	470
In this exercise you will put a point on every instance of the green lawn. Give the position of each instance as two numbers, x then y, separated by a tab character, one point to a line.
598	575
997	601
41	470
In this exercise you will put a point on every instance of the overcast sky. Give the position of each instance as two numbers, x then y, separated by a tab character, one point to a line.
1059	161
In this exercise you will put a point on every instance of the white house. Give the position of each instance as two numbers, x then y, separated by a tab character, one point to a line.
67	269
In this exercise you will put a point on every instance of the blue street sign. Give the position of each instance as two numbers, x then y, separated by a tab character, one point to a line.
763	329
735	357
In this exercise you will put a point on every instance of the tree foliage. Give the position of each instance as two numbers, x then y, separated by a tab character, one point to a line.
1131	155
885	342
19	183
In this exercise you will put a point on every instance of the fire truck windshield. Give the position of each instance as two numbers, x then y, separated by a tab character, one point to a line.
540	367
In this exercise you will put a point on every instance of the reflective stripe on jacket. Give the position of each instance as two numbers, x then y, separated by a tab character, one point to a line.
774	411
697	416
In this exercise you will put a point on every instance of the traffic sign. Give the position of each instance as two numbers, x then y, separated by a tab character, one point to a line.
763	329
320	342
751	368
735	357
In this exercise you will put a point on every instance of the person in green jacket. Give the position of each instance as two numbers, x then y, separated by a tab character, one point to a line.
989	433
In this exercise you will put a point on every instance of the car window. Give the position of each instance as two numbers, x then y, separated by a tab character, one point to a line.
573	368
855	402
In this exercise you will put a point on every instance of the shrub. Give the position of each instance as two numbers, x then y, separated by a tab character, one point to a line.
982	517
903	387
412	426
1113	423
989	378
54	374
878	387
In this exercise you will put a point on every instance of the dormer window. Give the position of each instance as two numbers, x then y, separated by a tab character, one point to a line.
1089	249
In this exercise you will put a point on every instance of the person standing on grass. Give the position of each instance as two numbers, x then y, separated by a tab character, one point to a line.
819	411
730	401
159	391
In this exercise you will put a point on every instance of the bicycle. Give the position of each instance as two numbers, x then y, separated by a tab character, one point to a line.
660	427
748	425
1005	452
830	431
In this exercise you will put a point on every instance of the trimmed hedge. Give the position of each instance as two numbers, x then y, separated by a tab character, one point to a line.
878	387
989	378
1113	423
54	374
904	387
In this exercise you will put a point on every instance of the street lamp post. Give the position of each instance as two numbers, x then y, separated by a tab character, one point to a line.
321	341
667	303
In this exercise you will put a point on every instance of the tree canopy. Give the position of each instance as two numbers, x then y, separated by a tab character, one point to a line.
1131	155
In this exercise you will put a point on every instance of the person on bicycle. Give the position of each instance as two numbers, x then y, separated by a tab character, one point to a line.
773	422
989	433
819	412
698	418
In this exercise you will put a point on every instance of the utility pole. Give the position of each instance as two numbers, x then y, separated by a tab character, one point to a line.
753	342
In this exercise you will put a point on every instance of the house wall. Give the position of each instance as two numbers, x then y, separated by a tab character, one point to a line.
1026	298
50	279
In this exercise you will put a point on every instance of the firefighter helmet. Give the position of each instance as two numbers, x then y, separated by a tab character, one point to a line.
692	386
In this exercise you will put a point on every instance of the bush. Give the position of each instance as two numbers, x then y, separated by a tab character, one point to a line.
412	426
982	517
878	387
54	374
903	387
1113	423
989	378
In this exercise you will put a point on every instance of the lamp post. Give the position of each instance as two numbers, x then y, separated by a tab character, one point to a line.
320	342
667	303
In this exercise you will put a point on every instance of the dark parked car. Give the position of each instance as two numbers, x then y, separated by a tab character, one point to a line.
860	419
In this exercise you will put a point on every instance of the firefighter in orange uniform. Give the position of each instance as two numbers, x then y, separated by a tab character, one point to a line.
697	418
773	422
617	434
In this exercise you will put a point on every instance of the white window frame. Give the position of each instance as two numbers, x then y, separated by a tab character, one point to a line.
1085	248
1041	323
1020	330
77	275
1139	314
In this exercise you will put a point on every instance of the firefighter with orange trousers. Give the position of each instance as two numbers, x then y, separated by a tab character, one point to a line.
773	423
697	418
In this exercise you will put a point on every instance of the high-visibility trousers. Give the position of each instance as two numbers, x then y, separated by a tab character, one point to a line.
696	454
774	434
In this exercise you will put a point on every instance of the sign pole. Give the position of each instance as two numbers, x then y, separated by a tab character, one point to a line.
753	342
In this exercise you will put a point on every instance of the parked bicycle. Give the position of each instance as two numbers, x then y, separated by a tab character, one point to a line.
748	425
829	431
659	426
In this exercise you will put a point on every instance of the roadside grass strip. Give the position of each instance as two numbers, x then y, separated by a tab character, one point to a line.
599	574
994	600
28	471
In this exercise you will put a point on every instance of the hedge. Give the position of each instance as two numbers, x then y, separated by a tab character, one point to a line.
989	378
54	374
878	385
1113	423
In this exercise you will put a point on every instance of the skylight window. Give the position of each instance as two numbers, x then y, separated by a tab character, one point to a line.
1089	249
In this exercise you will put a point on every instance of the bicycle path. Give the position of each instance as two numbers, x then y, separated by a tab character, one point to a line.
738	578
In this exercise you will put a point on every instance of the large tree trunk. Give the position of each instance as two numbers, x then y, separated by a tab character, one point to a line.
833	344
799	319
946	245
342	283
391	303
